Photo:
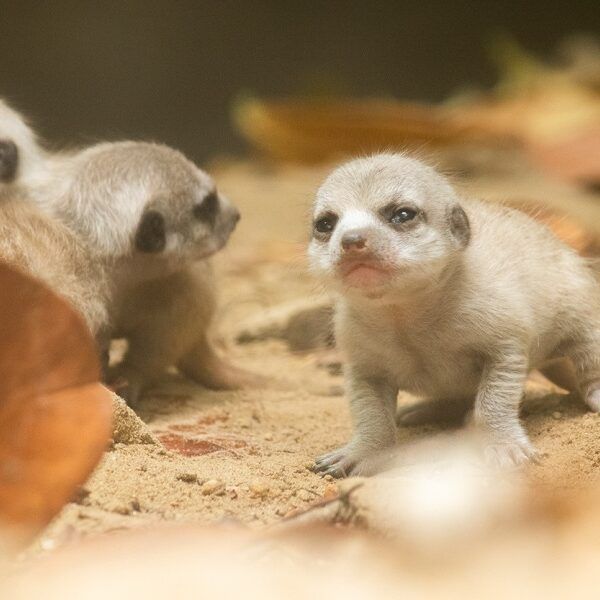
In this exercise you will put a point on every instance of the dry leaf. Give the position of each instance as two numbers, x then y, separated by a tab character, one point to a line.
55	418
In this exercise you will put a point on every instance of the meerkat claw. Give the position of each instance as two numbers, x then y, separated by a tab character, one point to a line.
510	455
337	472
339	463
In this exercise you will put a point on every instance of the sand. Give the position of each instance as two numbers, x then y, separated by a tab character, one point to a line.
204	457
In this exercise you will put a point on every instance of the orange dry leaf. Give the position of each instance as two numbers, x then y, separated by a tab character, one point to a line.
55	418
318	131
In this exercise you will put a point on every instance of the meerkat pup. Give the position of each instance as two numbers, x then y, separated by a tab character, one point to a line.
451	300
152	219
155	219
149	219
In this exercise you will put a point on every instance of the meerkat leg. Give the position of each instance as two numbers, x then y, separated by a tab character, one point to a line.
205	366
585	355
561	372
151	351
373	408
434	411
496	410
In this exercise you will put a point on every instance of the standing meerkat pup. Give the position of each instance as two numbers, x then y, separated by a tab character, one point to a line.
452	300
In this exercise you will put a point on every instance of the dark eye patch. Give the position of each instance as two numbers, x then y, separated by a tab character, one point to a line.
324	224
151	235
402	215
398	215
207	210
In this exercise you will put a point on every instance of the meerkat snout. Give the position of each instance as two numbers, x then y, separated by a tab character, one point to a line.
355	241
9	160
231	215
213	205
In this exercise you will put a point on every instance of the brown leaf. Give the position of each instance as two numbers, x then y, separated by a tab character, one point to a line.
55	418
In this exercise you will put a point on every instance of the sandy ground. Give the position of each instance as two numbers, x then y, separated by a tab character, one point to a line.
244	456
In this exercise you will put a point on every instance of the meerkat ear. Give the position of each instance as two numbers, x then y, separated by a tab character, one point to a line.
459	225
151	234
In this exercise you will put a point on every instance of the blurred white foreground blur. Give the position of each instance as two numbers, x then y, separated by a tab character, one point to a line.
437	523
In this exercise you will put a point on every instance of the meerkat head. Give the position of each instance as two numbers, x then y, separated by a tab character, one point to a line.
386	224
20	153
147	200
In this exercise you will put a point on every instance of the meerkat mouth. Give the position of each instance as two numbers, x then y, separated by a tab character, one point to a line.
364	273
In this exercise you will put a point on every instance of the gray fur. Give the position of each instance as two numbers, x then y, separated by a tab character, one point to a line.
464	308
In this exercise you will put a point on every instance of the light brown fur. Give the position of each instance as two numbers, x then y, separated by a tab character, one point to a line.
44	248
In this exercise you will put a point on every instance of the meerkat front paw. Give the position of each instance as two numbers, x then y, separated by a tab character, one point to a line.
126	383
592	399
345	461
509	455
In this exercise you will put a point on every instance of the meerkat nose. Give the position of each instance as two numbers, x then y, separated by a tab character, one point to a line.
9	158
355	240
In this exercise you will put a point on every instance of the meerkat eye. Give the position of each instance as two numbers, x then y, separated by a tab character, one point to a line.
402	215
325	224
207	210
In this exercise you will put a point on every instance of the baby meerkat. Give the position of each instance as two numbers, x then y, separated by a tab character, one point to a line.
449	299
151	219
155	219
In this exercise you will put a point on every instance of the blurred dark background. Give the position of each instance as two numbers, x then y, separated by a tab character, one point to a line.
170	71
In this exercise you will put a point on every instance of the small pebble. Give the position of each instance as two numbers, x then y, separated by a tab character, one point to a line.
268	437
213	486
187	477
259	489
557	415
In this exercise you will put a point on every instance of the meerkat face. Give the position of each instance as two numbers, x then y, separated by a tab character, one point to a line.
385	224
19	150
150	201
190	226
